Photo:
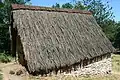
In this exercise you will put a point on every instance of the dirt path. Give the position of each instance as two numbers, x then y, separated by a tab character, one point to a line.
6	68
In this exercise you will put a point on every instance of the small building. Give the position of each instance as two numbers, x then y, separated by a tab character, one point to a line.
49	40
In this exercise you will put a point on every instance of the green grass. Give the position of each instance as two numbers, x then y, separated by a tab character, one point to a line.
5	58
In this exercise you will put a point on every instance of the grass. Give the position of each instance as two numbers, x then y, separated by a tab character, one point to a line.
4	59
107	77
116	63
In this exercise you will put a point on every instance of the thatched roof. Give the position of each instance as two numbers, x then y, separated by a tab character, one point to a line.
54	38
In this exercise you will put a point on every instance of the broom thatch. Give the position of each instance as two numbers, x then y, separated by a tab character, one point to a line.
53	39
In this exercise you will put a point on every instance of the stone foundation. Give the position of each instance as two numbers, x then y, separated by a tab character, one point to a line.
101	67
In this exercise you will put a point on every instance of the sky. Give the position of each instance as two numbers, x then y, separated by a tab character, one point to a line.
115	4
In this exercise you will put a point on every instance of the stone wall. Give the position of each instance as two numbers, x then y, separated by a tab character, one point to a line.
101	67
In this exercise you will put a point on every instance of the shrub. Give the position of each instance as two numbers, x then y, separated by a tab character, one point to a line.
4	58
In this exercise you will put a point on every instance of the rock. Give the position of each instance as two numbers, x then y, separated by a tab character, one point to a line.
11	72
19	72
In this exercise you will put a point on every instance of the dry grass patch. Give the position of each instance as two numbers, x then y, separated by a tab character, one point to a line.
107	77
116	63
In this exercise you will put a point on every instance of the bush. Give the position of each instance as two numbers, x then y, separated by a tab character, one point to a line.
5	58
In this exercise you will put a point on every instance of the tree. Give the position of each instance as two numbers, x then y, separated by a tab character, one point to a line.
56	5
5	13
19	1
67	5
117	36
101	12
110	29
4	27
79	5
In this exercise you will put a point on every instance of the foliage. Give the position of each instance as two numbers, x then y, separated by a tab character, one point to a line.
100	11
110	28
4	27
5	58
80	5
4	38
5	13
20	1
67	5
117	36
56	5
1	4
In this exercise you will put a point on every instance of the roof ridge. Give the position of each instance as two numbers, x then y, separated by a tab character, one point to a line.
40	8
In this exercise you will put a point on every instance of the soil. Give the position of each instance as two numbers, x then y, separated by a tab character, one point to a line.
13	71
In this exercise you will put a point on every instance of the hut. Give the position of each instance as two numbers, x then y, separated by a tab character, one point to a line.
57	40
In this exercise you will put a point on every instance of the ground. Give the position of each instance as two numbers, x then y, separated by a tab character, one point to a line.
10	71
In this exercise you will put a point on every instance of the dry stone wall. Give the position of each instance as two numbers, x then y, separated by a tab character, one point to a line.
101	67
